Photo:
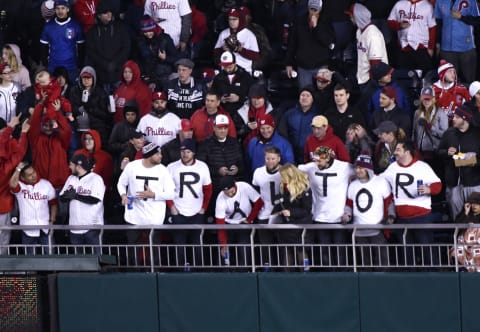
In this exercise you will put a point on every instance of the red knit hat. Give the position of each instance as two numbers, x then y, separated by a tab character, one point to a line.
442	69
266	119
390	92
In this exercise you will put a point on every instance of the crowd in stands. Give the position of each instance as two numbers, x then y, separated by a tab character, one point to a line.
239	111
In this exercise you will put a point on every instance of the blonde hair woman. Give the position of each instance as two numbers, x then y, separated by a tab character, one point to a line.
295	209
12	57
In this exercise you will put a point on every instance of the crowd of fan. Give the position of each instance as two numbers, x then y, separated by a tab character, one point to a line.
198	111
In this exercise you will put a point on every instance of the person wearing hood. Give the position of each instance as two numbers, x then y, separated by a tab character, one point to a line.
322	135
239	40
12	57
296	122
108	46
266	137
369	202
160	126
131	88
90	105
99	159
450	94
158	54
370	42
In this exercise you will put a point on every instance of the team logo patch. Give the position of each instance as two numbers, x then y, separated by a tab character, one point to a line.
69	33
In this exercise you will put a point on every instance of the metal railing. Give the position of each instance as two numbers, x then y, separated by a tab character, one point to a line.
160	253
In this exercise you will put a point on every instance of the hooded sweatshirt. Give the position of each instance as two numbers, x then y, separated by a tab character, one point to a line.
95	108
370	43
329	140
135	90
102	161
21	75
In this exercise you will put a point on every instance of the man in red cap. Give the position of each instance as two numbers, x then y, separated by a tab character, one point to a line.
389	111
267	136
160	126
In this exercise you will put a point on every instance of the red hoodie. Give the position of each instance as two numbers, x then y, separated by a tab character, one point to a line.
49	152
135	90
14	152
329	140
84	13
102	161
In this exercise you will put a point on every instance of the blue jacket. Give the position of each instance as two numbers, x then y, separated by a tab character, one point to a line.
256	149
296	125
456	35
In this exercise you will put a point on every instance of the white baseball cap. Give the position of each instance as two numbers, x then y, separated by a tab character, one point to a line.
221	120
227	58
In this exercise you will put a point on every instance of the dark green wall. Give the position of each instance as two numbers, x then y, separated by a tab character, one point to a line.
269	302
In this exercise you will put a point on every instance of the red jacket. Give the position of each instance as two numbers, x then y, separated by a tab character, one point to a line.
84	13
49	152
102	161
135	90
202	123
329	140
14	153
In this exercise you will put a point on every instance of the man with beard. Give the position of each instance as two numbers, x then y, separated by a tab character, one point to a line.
160	126
144	186
84	191
389	111
329	178
193	190
449	93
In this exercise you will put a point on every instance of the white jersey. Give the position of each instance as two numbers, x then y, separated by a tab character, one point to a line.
8	101
420	17
370	46
248	41
135	177
81	213
236	209
33	204
403	181
269	185
329	189
159	130
367	199
168	14
189	182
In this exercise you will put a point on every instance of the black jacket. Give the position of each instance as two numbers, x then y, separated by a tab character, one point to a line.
219	154
310	48
396	115
468	141
108	48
